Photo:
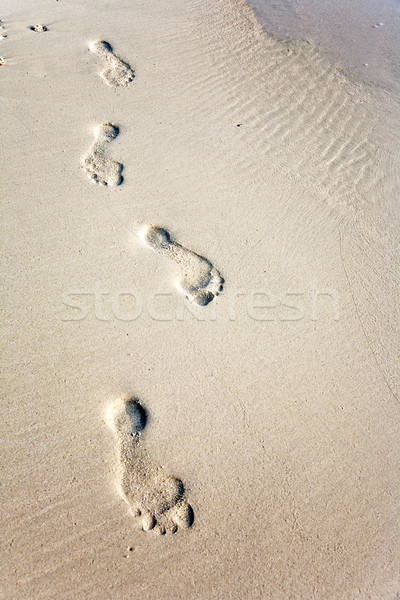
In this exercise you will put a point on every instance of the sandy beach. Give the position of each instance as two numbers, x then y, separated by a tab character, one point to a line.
201	309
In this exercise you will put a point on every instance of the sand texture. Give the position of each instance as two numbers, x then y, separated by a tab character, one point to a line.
200	382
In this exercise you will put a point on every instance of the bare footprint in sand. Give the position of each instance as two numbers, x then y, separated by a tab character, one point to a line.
157	499
199	280
116	72
99	167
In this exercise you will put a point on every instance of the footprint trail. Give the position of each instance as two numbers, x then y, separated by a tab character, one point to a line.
199	280
155	498
99	167
116	71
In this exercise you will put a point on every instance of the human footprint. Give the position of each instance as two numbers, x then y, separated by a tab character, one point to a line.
99	167
116	71
199	280
157	499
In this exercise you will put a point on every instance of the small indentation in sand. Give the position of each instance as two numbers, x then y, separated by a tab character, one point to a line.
153	497
99	167
199	280
116	71
3	33
38	28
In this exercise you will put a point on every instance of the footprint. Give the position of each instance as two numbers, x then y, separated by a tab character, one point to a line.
38	28
116	72
3	33
99	167
157	499
199	280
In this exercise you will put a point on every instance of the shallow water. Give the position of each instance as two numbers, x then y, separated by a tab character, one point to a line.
362	37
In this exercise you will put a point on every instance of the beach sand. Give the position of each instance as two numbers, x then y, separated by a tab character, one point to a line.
254	176
361	37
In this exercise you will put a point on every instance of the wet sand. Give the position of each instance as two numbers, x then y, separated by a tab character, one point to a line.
362	38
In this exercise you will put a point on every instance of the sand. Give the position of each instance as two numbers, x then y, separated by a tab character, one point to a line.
362	37
272	410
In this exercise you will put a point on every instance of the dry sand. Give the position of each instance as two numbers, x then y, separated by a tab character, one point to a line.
276	404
